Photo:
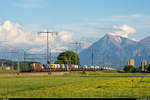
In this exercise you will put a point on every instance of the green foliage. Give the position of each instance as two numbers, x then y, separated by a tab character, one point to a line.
58	62
139	69
83	72
25	69
129	69
148	69
68	57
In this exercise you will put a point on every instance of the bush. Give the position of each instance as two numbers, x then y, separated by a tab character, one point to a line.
129	69
148	69
139	69
83	72
25	69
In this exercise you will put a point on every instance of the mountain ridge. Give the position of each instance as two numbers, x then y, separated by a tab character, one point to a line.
118	49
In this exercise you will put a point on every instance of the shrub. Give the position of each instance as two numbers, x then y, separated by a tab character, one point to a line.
129	69
83	72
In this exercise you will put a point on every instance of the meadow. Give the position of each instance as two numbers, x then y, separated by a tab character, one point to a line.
8	71
77	85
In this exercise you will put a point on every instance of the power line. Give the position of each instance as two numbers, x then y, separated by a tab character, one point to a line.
76	46
52	33
18	59
92	56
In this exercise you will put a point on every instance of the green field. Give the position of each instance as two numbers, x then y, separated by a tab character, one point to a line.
6	71
77	85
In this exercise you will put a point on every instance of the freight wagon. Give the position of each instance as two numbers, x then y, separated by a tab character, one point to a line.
65	67
36	66
71	67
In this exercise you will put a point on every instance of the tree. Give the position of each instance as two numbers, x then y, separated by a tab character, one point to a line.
140	69
68	57
148	69
129	69
58	62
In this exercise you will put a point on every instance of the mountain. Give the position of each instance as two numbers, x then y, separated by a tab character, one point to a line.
145	42
5	60
110	50
142	52
115	51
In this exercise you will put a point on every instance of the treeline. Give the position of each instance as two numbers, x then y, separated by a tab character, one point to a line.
132	69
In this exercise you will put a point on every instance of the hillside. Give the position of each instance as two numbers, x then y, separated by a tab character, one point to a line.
116	51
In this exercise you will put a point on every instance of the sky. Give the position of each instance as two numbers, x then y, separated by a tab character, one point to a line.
75	20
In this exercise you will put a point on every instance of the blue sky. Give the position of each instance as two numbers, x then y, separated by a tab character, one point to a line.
86	19
68	11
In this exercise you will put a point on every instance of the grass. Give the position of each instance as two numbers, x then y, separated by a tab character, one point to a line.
7	71
77	85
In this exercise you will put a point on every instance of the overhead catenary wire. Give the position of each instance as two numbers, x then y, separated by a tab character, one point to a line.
47	32
76	46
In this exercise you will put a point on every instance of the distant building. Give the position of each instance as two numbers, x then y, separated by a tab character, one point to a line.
143	65
131	62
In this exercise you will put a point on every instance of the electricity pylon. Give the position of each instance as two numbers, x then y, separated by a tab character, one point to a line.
18	59
52	33
76	46
92	56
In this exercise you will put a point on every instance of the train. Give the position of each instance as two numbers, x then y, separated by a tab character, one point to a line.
71	67
37	67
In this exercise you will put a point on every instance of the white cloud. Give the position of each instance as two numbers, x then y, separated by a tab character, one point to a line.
59	49
123	30
35	50
16	36
65	36
87	32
